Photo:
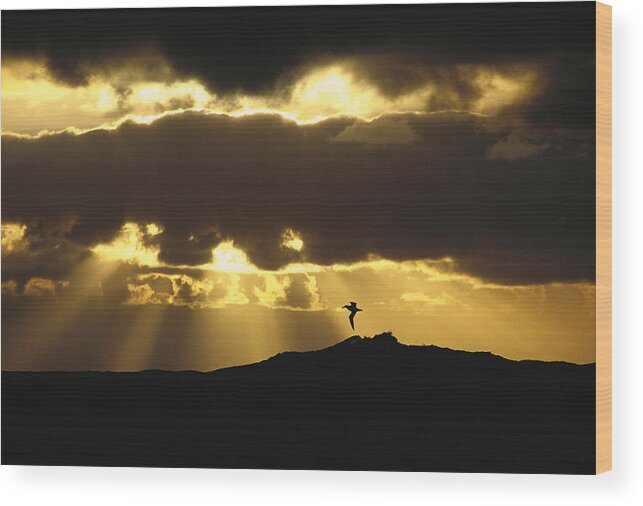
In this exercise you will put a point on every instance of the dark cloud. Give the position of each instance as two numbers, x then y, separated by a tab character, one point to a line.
515	147
510	197
252	49
181	245
298	293
45	251
188	294
205	178
384	131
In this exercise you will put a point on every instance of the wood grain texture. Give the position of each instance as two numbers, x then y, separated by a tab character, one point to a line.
603	238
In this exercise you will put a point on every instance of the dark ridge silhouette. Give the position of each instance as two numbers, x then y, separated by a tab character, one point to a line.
362	404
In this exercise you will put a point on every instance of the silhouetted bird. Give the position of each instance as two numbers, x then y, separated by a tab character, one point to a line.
353	309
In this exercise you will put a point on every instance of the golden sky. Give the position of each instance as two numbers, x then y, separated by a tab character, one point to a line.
167	206
424	301
35	102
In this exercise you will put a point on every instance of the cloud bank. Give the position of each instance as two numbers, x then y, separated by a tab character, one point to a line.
208	178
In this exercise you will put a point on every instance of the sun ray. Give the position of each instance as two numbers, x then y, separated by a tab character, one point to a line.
135	353
47	328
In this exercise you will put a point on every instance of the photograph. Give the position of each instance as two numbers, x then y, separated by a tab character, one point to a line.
341	237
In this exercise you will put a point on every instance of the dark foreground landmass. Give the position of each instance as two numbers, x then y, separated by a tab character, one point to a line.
363	404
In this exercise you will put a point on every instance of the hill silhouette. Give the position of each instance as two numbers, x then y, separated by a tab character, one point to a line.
364	403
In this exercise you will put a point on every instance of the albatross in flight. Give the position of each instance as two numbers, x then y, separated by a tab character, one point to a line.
352	307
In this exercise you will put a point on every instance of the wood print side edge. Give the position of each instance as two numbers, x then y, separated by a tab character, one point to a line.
603	238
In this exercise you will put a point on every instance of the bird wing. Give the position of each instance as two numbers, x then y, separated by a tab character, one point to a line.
350	319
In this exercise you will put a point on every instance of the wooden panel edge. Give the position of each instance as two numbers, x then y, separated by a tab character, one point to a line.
603	237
